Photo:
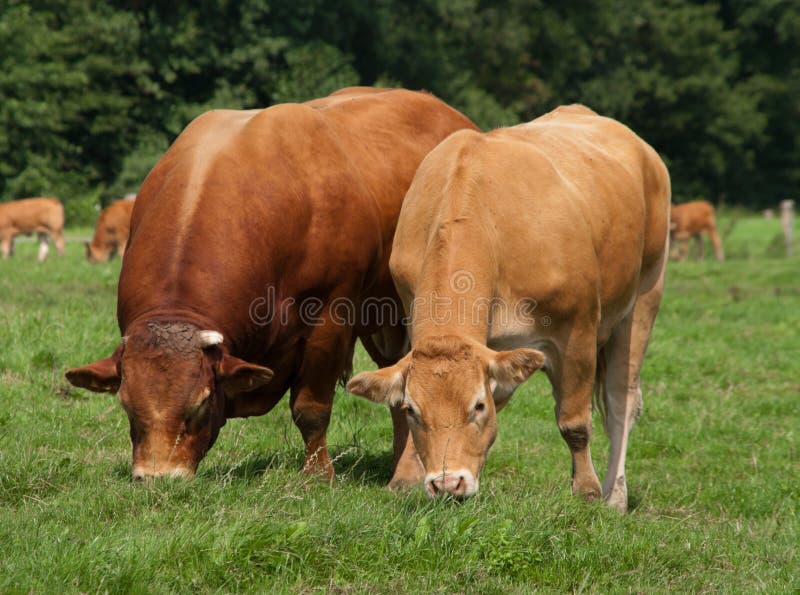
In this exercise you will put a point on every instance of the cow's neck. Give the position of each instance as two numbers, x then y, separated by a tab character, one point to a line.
456	292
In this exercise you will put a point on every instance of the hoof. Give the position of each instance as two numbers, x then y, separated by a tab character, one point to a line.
590	491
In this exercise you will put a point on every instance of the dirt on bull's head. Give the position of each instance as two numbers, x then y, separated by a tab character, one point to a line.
450	389
172	379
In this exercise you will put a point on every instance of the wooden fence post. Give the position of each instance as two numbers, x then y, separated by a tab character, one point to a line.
787	221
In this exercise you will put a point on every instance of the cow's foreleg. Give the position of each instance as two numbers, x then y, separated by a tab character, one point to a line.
408	469
312	395
700	246
716	241
44	247
58	240
572	376
7	246
385	348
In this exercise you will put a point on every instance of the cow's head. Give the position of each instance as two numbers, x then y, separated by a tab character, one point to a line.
172	380
450	389
102	247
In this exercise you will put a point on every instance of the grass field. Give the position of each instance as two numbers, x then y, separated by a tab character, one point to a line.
713	465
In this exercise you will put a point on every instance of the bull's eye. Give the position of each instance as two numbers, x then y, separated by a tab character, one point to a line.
410	413
480	407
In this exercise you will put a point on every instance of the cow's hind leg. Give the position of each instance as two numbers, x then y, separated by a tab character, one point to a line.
44	246
624	353
572	375
7	246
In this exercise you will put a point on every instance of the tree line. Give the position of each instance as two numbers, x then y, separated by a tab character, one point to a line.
93	92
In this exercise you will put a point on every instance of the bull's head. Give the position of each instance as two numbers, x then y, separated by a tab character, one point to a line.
172	380
450	389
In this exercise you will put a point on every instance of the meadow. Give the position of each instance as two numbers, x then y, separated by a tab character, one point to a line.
713	465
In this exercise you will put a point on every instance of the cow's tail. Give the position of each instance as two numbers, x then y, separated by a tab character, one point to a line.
600	392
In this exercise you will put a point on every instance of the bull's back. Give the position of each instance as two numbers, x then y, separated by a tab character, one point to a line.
304	196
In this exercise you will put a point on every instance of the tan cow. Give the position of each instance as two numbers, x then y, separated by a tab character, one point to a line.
538	246
246	238
111	232
42	216
690	220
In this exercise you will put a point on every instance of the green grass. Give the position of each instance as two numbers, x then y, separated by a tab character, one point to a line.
713	465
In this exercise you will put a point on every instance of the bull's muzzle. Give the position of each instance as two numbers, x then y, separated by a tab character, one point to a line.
143	473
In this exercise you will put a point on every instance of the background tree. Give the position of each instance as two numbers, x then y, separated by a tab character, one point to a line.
91	93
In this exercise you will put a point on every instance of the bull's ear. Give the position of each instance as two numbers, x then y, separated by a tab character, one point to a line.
509	369
386	385
238	376
101	376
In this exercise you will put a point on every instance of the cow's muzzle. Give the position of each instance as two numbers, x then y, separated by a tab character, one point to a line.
460	484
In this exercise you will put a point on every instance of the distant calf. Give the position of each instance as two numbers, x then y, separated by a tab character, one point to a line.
689	220
111	233
43	216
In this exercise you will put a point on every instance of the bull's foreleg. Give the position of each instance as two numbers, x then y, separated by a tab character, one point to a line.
312	394
572	376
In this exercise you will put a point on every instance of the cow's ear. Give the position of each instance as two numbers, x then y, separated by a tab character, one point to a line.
101	376
386	385
238	376
508	369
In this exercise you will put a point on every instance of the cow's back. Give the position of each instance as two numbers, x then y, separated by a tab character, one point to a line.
693	217
571	202
31	215
294	198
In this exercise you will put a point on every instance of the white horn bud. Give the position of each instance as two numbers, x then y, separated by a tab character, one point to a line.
209	338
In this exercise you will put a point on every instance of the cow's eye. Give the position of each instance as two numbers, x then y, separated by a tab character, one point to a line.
480	407
410	413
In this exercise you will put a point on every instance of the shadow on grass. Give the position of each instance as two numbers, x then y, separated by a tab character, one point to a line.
351	463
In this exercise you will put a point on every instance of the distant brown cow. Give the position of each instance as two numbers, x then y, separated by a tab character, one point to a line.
42	216
111	232
690	220
246	236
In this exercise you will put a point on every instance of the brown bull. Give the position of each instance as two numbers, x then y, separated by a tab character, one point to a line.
690	220
246	238
538	246
42	216
111	232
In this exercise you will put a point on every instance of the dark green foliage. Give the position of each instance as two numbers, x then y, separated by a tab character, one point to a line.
92	93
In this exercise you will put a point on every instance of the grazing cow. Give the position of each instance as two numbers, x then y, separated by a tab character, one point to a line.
111	232
42	216
247	236
690	220
538	246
